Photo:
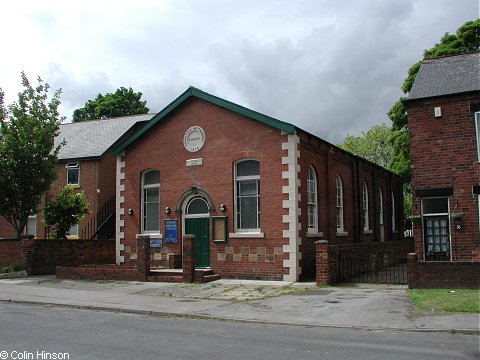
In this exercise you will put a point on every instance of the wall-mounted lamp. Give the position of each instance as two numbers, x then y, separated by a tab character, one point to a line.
222	207
130	212
167	210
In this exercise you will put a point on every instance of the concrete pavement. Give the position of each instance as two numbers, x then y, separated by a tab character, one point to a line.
368	307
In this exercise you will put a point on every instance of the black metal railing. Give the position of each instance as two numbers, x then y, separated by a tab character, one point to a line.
104	214
384	267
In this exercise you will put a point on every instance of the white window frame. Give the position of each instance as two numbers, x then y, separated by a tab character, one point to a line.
477	133
339	204
74	166
366	220
436	214
26	231
145	187
237	180
73	232
427	215
312	208
394	219
199	215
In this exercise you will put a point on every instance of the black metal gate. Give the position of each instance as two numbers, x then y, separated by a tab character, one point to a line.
382	267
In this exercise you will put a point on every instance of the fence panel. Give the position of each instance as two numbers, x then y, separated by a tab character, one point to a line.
383	267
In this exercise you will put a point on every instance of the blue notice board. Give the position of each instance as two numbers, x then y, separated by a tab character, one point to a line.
170	231
155	243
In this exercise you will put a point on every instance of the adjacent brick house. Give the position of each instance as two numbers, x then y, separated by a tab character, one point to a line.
257	192
85	163
444	126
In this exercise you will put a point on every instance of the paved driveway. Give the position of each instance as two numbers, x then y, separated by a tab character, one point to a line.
372	306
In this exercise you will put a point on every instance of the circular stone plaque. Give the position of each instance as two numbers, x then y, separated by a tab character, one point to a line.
194	138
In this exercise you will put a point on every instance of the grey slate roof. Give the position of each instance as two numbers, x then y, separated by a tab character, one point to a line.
446	76
90	139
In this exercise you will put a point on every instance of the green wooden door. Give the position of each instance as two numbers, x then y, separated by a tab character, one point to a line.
199	228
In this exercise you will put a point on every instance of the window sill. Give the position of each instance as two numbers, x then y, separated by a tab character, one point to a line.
342	233
368	232
246	235
314	234
152	235
74	186
73	237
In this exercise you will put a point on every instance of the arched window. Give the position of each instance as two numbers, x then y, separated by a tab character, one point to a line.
197	206
394	222
247	196
312	200
151	201
365	206
380	205
339	202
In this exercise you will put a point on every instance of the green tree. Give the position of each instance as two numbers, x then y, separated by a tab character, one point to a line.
466	39
67	210
373	145
121	103
28	157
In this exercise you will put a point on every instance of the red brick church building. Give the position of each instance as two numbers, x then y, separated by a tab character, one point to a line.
255	191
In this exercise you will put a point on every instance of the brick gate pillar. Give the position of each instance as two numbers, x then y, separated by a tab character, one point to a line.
323	262
28	249
188	264
411	270
143	257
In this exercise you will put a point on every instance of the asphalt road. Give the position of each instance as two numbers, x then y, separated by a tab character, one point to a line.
43	332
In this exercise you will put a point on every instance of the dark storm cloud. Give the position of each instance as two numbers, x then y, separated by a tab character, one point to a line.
329	67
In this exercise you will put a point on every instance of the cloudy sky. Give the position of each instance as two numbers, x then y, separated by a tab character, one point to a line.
329	67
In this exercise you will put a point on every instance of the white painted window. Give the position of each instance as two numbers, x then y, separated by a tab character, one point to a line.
394	220
339	204
312	212
31	228
151	201
366	226
477	127
436	228
197	205
247	196
73	232
73	173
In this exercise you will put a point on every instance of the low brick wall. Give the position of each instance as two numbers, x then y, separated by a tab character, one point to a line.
43	256
442	274
98	272
10	251
138	272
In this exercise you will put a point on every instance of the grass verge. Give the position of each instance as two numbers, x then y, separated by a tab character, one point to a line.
446	300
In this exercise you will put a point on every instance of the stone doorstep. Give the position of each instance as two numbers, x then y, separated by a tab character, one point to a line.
176	275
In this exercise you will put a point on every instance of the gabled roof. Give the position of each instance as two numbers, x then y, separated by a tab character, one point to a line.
447	76
193	92
91	139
